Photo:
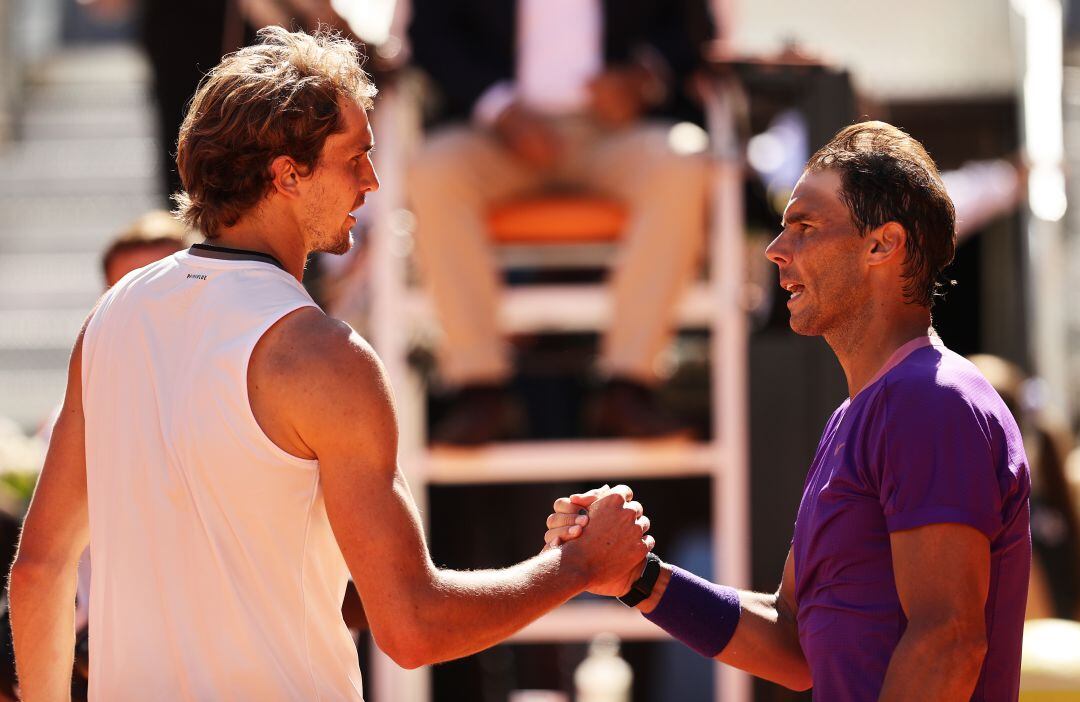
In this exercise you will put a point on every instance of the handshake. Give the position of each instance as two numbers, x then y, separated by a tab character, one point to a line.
603	531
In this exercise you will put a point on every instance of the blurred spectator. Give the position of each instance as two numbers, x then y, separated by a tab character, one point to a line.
557	94
153	236
1055	527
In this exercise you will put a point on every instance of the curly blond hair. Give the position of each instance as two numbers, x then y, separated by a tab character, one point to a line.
278	97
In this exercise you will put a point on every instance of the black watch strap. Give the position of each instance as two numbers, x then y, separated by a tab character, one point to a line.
642	587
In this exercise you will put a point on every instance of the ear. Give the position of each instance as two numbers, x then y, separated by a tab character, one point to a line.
886	243
285	176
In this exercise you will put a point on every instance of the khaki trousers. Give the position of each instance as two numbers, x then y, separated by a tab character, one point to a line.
461	170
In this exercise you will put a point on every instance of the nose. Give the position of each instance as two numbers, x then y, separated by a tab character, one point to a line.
371	183
778	251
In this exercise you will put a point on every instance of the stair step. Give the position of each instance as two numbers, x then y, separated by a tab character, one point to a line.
96	66
52	222
71	280
60	122
38	331
80	166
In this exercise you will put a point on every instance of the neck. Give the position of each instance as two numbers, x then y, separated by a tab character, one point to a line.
251	232
866	344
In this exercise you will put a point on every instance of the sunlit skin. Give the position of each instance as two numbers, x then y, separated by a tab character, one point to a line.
309	210
817	254
845	286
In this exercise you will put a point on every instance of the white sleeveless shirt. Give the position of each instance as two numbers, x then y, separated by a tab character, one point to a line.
215	572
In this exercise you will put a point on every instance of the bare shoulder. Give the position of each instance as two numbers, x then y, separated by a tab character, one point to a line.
308	346
318	375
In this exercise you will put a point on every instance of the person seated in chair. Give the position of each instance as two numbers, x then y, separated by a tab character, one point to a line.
539	94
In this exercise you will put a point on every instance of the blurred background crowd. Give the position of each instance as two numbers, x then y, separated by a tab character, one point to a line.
540	269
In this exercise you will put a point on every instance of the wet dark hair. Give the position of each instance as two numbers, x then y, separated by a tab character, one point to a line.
887	176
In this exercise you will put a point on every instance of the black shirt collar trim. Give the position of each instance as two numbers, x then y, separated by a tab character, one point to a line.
226	254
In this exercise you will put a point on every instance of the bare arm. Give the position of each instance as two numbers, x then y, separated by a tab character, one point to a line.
766	640
43	576
942	576
341	408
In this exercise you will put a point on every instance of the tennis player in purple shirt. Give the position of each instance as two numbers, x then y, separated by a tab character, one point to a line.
908	570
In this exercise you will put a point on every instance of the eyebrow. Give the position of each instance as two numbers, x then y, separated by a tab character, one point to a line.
793	218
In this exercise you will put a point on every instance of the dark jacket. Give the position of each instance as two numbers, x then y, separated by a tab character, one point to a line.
466	46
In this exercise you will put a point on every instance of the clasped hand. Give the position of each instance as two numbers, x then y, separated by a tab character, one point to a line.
610	529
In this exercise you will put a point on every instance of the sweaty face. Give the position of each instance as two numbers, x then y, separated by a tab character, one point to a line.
337	185
820	257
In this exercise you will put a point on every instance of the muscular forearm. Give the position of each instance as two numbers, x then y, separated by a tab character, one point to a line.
43	624
934	662
765	642
467	611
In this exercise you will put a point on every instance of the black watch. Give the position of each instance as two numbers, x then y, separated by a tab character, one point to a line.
642	587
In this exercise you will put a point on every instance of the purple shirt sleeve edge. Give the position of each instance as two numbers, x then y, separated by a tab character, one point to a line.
986	522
